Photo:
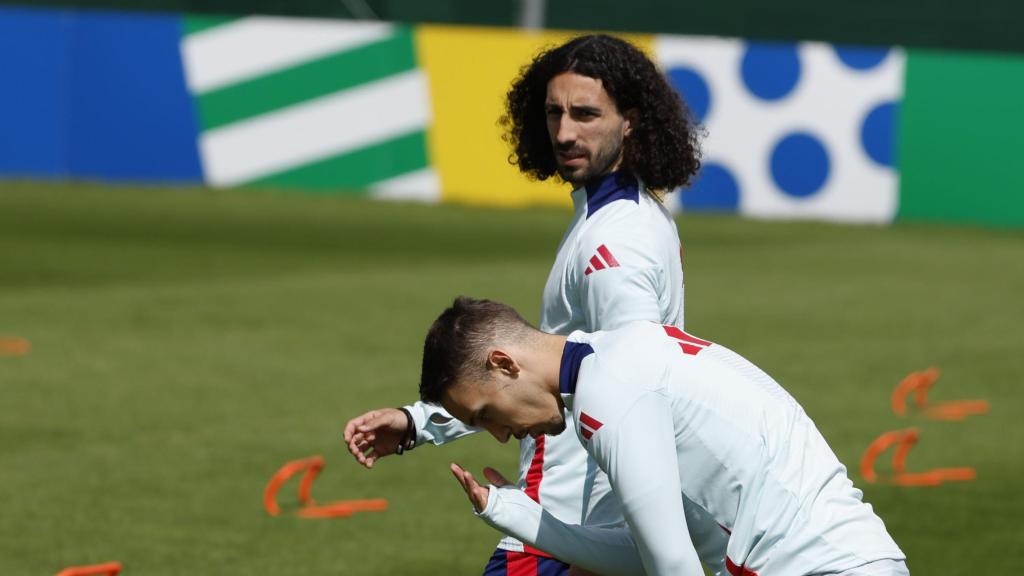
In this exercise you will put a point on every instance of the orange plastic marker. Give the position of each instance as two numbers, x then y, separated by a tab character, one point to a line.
917	382
920	383
343	508
934	477
867	462
905	440
12	346
107	569
957	409
311	466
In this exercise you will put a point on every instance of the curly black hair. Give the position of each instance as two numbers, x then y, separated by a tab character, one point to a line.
663	149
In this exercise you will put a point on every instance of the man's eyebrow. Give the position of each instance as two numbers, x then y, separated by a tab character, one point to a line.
590	109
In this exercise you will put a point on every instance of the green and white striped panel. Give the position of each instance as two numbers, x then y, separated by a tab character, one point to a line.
324	105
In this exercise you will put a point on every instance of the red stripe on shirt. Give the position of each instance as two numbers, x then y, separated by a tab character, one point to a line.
690	348
737	570
596	263
590	422
607	255
680	335
533	479
536	472
531	550
520	564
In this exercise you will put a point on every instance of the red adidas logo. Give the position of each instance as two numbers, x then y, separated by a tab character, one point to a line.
588	425
596	262
690	344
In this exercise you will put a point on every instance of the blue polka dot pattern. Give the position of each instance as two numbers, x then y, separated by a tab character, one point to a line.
800	164
878	133
715	190
693	88
861	57
770	70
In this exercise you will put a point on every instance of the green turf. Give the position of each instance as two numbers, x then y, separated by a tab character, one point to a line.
186	343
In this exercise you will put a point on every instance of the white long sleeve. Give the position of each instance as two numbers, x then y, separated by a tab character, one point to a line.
637	450
605	550
435	425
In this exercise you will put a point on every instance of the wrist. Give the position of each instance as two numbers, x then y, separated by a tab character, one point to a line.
408	440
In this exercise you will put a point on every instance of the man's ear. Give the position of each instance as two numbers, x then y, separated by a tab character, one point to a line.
632	117
500	360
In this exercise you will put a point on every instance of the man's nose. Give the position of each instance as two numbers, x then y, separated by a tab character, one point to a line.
566	130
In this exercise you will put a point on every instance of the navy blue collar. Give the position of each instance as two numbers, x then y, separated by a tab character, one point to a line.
572	356
603	190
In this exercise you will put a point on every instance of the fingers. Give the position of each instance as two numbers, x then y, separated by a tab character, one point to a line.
360	443
353	424
464	477
495	477
457	472
372	421
390	419
368	437
364	458
360	440
476	493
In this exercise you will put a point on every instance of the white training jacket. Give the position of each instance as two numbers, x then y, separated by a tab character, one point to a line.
665	413
618	262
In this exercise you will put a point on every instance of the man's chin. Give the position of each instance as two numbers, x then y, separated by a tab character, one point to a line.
557	429
575	176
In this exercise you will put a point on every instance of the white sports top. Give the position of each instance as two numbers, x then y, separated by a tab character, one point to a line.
665	413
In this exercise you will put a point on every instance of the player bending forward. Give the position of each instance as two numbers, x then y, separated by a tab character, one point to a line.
664	414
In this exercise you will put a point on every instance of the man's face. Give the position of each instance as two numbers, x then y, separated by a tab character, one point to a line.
585	126
505	407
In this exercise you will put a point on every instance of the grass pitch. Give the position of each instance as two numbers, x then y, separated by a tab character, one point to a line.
186	343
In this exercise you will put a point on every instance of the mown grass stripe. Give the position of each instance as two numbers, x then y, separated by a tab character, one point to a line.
356	170
194	23
307	81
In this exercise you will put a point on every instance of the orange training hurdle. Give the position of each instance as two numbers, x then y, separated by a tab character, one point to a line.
905	440
918	384
12	346
311	468
107	569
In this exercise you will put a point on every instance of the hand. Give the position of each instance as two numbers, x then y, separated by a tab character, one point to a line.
375	434
477	494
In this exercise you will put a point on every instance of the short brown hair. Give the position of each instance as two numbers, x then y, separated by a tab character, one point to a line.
458	339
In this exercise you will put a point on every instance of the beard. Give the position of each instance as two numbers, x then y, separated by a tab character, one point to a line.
598	165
